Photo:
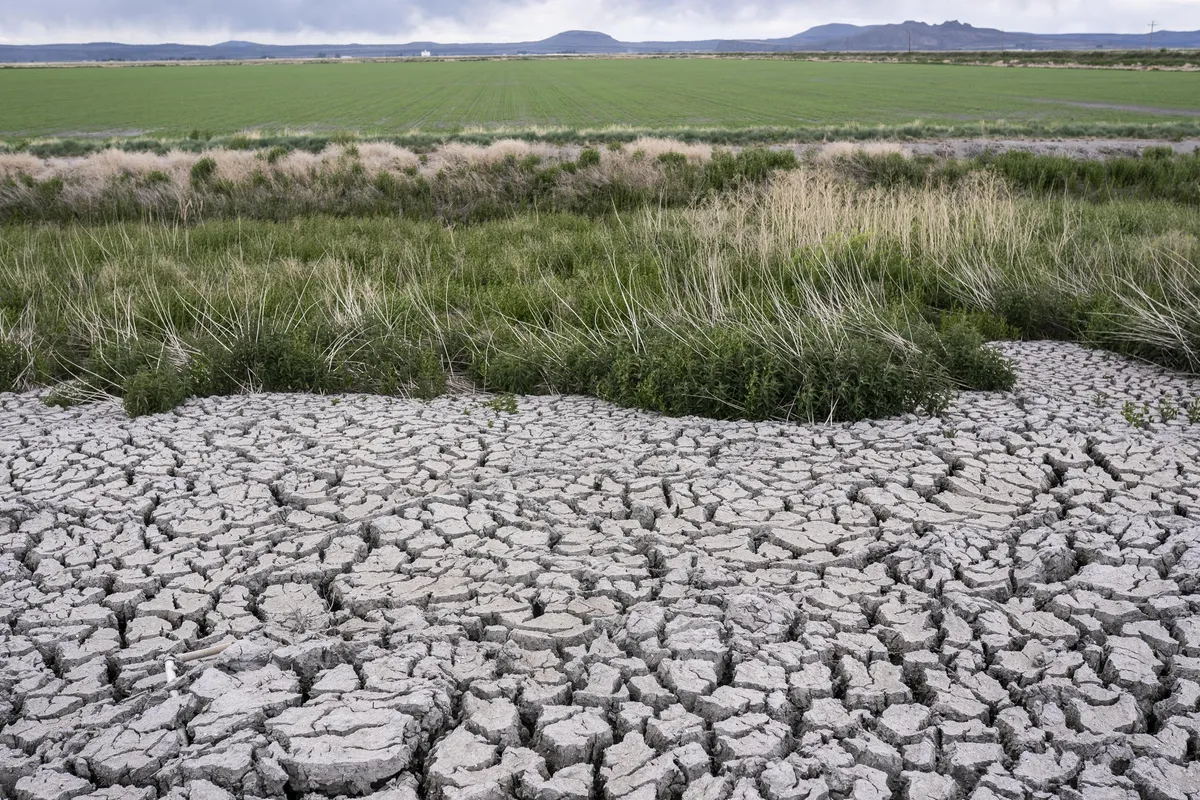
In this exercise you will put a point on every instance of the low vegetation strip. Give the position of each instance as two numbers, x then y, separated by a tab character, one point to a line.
848	289
644	94
200	141
463	183
1162	58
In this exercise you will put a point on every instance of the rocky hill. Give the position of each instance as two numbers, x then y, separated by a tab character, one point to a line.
948	36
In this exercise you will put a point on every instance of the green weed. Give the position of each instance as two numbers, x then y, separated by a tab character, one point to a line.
203	171
1193	412
1135	416
154	391
1167	410
13	361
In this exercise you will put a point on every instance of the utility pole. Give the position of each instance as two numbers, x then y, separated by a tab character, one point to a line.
906	30
1152	24
1001	41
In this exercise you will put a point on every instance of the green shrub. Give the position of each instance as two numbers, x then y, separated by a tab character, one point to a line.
1159	152
726	170
51	188
728	373
65	148
203	171
429	378
971	365
990	326
13	361
589	157
154	391
272	360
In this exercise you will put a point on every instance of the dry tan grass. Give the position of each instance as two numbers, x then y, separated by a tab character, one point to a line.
13	165
814	211
835	150
382	156
455	154
91	172
299	164
654	147
236	166
616	169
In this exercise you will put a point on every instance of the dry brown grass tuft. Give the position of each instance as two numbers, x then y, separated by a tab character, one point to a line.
835	150
14	165
460	155
654	147
382	156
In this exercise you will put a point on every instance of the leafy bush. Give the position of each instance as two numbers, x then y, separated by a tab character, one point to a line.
272	360
203	171
154	391
12	364
589	157
731	373
972	366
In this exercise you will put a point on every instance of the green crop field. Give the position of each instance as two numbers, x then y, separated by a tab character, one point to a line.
572	94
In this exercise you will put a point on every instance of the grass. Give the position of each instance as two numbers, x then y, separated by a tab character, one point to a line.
467	184
454	184
812	291
572	95
424	141
1159	173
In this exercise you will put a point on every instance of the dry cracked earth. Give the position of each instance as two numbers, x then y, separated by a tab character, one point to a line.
575	601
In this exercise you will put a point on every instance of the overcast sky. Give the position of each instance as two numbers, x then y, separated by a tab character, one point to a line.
341	21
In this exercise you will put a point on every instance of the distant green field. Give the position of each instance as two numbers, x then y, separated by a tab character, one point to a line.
573	94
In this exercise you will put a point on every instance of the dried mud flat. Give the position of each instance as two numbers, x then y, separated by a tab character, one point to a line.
577	601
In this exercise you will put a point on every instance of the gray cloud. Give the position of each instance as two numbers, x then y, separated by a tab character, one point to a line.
286	21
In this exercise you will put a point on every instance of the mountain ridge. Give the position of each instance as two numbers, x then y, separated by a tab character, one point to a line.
951	35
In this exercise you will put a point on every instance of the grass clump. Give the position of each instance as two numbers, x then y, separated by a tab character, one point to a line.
203	171
733	375
1158	174
153	391
13	364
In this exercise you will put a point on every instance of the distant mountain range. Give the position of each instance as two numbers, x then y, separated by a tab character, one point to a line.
948	36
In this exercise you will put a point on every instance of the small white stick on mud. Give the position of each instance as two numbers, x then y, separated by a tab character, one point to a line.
195	655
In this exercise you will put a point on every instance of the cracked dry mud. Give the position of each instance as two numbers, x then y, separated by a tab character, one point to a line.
578	601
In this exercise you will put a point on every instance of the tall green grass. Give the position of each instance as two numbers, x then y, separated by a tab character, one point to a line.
1158	174
810	296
